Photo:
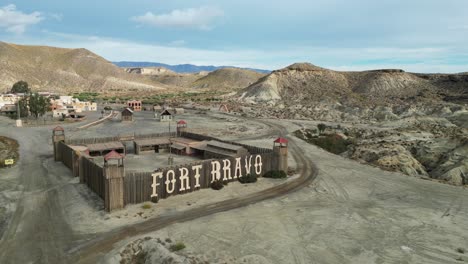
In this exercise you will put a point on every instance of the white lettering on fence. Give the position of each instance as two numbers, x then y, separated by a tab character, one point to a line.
238	170
227	170
217	173
258	164
184	179
170	184
197	169
155	183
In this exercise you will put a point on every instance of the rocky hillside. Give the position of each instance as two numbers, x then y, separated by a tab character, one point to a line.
228	79
225	79
149	70
65	70
306	83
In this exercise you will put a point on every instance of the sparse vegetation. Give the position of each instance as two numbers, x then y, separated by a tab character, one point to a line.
38	105
177	247
461	250
146	206
275	174
20	87
249	178
332	143
217	185
321	127
8	150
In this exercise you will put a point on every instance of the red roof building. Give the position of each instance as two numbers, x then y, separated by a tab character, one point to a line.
113	155
281	140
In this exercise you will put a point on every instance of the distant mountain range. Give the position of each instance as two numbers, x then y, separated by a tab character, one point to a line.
181	68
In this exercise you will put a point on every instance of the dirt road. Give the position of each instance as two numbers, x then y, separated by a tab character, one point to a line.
38	231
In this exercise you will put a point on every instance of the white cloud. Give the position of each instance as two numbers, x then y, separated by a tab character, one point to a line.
57	17
15	21
200	18
424	59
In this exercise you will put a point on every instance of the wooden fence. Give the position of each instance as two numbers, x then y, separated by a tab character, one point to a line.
251	149
85	141
138	189
92	175
66	154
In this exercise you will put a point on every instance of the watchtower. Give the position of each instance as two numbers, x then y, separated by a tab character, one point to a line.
114	173
280	148
181	127
58	135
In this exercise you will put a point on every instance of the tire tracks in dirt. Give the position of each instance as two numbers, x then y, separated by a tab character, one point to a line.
93	250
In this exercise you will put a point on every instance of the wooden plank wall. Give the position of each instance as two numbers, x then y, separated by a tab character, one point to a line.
85	141
251	149
137	185
67	154
93	176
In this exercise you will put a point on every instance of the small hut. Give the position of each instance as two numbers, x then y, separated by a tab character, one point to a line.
127	114
166	116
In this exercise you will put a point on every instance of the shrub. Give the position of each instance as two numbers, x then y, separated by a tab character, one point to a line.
249	178
217	185
146	206
107	108
461	250
275	174
177	246
321	127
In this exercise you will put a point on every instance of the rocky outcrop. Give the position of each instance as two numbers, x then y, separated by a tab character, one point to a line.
307	83
389	156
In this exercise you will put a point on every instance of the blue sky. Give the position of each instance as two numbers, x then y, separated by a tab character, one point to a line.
416	35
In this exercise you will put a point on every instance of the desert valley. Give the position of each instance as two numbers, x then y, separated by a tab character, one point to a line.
376	172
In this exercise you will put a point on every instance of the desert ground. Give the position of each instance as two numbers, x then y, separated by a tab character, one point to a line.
348	213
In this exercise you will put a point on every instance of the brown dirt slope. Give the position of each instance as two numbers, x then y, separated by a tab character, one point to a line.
8	150
304	82
228	79
65	70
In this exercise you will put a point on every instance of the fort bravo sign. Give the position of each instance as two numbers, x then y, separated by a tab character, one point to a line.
218	161
219	171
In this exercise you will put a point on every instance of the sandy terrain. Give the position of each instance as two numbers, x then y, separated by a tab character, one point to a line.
352	213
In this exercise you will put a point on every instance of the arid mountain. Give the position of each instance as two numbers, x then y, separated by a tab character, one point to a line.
225	79
304	82
150	70
65	70
180	68
228	79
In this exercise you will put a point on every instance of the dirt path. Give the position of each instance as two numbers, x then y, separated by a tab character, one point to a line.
37	232
95	249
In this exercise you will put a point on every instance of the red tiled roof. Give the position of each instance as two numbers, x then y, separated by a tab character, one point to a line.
182	122
113	155
59	128
281	140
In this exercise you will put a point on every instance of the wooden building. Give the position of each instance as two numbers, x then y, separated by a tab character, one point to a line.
151	145
101	149
166	116
215	149
135	105
127	114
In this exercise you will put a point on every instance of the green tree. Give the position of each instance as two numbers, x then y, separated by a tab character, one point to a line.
20	87
38	105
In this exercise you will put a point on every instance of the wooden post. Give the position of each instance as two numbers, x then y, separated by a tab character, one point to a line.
58	135
114	187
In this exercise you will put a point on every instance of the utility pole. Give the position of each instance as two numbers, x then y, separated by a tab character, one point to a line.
19	123
170	160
